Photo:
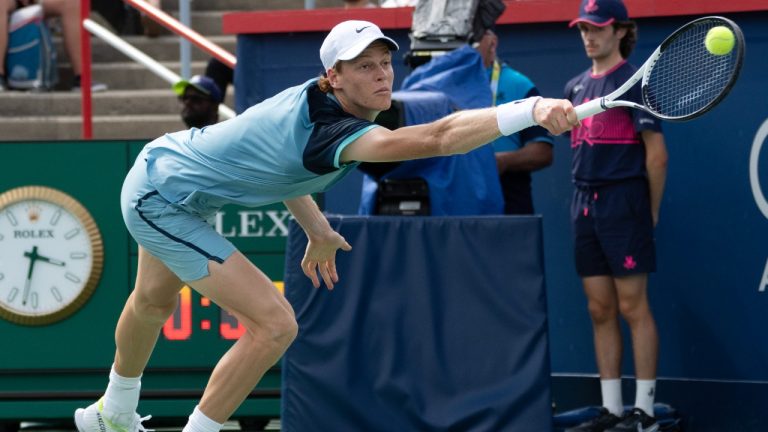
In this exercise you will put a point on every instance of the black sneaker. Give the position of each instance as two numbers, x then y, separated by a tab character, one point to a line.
601	423
636	421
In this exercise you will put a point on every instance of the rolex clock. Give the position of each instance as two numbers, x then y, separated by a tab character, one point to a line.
51	255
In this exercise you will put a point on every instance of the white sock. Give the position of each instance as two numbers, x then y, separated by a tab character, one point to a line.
121	398
645	395
199	422
611	391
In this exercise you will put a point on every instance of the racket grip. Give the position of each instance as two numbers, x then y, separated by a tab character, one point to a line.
589	109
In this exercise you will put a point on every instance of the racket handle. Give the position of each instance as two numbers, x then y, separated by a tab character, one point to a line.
589	109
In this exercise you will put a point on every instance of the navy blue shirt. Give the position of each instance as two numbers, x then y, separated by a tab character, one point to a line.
608	147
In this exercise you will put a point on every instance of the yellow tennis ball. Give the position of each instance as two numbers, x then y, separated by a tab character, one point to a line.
719	40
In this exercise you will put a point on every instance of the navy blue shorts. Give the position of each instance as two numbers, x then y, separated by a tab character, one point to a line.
613	229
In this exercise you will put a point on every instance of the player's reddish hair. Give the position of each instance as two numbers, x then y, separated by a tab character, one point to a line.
324	83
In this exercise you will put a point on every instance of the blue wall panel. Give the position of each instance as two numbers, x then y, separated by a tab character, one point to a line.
271	63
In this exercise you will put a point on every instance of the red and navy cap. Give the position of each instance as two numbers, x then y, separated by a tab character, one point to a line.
601	12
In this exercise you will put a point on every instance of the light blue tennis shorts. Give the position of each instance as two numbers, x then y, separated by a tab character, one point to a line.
185	242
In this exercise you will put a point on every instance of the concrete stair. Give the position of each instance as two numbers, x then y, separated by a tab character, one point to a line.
138	104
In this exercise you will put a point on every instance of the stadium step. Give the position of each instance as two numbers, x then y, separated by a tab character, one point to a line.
126	75
162	49
138	104
110	103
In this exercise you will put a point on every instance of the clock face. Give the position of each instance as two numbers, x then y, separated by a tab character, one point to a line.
51	255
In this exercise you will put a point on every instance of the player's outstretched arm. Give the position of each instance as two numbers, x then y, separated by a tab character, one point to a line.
323	241
460	132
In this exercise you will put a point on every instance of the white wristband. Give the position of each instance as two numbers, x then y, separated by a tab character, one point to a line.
515	116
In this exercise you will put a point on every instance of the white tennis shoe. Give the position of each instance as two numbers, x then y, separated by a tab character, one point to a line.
93	419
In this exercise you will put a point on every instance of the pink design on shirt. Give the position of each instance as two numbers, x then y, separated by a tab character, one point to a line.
614	126
629	262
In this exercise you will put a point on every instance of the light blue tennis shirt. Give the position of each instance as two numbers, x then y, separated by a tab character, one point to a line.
284	147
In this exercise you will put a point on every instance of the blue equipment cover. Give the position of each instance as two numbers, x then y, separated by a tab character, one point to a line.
436	324
459	74
459	185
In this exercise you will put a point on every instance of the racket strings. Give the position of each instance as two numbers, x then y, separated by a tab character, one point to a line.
686	77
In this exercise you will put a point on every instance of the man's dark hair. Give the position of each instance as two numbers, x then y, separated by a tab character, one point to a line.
627	43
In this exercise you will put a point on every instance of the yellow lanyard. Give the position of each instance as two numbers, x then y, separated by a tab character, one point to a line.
495	80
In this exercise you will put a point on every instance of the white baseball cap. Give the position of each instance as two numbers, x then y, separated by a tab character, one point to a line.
348	39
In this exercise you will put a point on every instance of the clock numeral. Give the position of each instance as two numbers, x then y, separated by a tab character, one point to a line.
72	277
11	218
12	295
78	255
55	217
56	294
33	300
72	233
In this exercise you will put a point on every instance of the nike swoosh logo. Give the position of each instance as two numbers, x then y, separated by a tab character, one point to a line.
358	30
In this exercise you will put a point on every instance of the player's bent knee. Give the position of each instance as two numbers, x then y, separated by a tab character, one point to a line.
153	311
284	329
281	329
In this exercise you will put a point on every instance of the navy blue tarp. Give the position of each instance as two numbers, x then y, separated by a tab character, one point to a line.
437	324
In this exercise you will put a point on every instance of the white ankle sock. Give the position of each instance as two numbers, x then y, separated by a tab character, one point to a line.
645	395
199	422
121	398
611	391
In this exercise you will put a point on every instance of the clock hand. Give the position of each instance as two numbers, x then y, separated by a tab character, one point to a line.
51	260
33	256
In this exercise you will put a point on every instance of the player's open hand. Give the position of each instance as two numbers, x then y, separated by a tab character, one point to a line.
555	115
320	256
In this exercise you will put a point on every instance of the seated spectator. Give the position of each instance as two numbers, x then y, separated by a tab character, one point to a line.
200	98
69	13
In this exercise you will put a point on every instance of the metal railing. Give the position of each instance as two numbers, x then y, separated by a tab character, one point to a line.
118	43
175	26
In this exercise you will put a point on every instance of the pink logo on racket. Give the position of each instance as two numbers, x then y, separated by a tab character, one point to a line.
629	262
591	6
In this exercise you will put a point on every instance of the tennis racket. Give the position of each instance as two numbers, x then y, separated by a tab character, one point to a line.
681	80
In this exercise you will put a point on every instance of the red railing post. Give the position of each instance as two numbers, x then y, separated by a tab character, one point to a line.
85	72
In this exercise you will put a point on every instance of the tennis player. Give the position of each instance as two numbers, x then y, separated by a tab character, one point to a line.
619	170
301	141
